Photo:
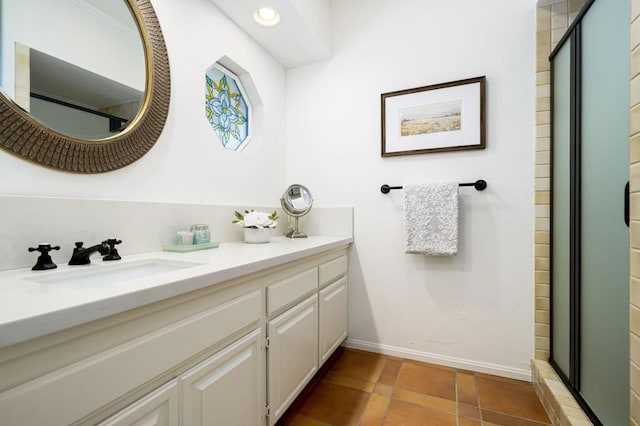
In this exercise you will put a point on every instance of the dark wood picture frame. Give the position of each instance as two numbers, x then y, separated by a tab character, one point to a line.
437	118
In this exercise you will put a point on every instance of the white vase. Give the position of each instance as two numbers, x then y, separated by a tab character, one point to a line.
257	235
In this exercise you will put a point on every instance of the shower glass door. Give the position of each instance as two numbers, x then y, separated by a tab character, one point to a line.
604	318
590	240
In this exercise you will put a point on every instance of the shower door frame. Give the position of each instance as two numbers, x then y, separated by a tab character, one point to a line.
573	36
585	314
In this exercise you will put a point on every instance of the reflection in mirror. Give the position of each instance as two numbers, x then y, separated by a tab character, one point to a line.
76	66
298	197
296	201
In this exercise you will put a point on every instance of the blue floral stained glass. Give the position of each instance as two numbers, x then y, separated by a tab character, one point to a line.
226	108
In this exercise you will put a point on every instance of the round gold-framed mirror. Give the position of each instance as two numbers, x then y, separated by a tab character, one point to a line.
29	139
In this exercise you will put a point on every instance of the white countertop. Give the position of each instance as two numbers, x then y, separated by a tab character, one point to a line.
30	309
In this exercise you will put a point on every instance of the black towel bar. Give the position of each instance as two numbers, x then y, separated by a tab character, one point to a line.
480	185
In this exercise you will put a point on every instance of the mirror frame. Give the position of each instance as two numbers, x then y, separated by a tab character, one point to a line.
25	137
289	208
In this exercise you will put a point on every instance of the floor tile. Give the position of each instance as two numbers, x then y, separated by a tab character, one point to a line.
390	372
427	380
405	414
375	411
465	421
439	367
466	388
499	378
506	420
468	411
382	389
351	382
361	365
425	400
334	404
300	420
397	358
366	389
513	398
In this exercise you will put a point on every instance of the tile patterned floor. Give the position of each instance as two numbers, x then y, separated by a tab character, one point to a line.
363	388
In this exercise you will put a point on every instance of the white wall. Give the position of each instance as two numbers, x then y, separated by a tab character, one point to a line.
473	310
188	163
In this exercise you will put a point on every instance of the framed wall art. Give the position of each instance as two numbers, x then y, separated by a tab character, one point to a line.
437	118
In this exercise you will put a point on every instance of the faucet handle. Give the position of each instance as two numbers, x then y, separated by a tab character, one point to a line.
44	248
44	261
113	252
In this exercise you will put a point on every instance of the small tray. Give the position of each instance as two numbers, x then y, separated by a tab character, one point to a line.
193	247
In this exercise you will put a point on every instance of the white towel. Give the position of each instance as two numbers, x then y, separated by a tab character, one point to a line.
431	218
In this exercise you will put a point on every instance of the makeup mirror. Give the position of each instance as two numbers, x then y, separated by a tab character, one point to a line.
296	201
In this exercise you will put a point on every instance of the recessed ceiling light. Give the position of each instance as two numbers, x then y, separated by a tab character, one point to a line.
266	16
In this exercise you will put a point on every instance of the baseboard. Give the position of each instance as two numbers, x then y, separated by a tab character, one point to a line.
465	364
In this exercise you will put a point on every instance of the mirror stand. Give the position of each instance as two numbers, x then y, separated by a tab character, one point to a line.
295	232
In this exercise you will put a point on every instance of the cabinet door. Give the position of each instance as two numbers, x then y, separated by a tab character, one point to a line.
333	317
293	354
159	408
226	389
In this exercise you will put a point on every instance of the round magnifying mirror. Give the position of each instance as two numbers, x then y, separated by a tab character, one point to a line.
296	201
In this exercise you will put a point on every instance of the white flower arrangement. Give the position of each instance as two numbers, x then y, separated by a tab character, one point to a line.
256	219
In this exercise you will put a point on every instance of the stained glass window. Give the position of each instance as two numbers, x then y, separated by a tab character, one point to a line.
227	107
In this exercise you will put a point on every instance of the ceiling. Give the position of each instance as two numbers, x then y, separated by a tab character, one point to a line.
302	36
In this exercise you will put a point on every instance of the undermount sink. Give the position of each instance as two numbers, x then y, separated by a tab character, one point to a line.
98	275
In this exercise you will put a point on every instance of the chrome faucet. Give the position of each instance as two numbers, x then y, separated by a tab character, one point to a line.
81	255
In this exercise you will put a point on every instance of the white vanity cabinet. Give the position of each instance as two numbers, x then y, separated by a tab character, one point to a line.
304	336
227	388
234	353
292	354
178	337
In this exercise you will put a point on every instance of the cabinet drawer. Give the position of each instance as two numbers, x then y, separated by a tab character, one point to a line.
333	270
284	292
